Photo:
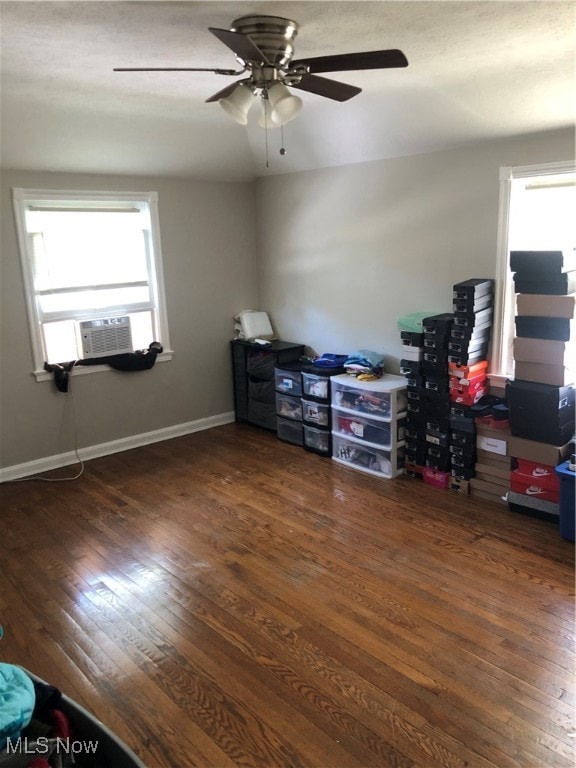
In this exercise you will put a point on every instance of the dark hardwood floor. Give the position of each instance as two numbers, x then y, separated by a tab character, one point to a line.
225	599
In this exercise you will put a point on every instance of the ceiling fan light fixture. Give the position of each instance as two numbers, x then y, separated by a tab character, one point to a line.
284	106
265	119
238	103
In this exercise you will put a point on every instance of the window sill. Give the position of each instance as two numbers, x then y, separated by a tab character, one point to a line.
81	370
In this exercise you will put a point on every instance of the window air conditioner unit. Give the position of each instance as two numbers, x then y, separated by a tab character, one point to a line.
103	336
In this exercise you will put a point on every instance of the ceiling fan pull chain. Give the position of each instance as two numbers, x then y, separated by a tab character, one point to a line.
282	147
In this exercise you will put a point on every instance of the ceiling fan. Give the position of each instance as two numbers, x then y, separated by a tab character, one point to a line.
264	48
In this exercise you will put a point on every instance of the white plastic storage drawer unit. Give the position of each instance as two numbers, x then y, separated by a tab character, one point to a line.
368	423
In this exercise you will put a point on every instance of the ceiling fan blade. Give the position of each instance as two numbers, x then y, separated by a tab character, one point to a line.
223	93
347	62
240	44
177	69
332	89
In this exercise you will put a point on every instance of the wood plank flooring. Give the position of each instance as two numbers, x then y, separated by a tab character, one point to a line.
226	599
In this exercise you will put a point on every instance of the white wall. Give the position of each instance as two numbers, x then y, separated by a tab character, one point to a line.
208	246
343	252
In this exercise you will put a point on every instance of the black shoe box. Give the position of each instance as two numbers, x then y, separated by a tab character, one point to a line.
468	358
441	464
416	395
438	324
416	429
438	422
438	384
463	473
416	382
416	407
411	339
461	411
410	367
438	357
462	423
441	439
465	439
435	341
466	333
463	455
471	306
435	370
561	285
415	452
472	289
541	412
463	346
551	328
535	264
475	320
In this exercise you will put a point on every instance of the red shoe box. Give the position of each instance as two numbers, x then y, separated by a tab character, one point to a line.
465	396
468	371
544	487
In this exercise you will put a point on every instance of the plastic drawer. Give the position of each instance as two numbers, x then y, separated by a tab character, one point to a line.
317	440
315	386
289	431
315	413
374	461
260	365
288	382
263	391
289	407
362	428
364	401
262	414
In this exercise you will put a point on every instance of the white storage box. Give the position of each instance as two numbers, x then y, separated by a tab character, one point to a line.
383	398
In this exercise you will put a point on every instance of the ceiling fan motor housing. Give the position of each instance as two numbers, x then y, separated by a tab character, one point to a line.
273	35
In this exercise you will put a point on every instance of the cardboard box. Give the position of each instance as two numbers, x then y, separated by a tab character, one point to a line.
545	351
460	486
496	489
486	471
492	445
502	483
556	375
541	305
542	453
493	460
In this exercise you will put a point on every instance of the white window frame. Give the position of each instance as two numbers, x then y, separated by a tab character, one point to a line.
505	300
23	198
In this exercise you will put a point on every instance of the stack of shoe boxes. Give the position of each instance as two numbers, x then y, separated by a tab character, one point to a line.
472	302
415	435
541	397
437	330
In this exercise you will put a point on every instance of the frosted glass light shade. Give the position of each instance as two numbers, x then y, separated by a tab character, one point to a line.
284	106
265	120
238	103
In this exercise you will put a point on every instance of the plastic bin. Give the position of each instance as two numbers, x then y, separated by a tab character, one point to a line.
567	501
373	461
315	413
288	382
289	407
317	440
315	386
289	431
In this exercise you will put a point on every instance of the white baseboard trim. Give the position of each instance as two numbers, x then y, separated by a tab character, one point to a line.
114	446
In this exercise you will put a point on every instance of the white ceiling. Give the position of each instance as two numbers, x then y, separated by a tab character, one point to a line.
477	71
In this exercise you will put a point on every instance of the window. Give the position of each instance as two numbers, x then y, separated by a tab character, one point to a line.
537	205
89	255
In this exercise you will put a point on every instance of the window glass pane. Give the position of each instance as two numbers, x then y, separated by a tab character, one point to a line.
60	341
93	299
142	329
78	248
